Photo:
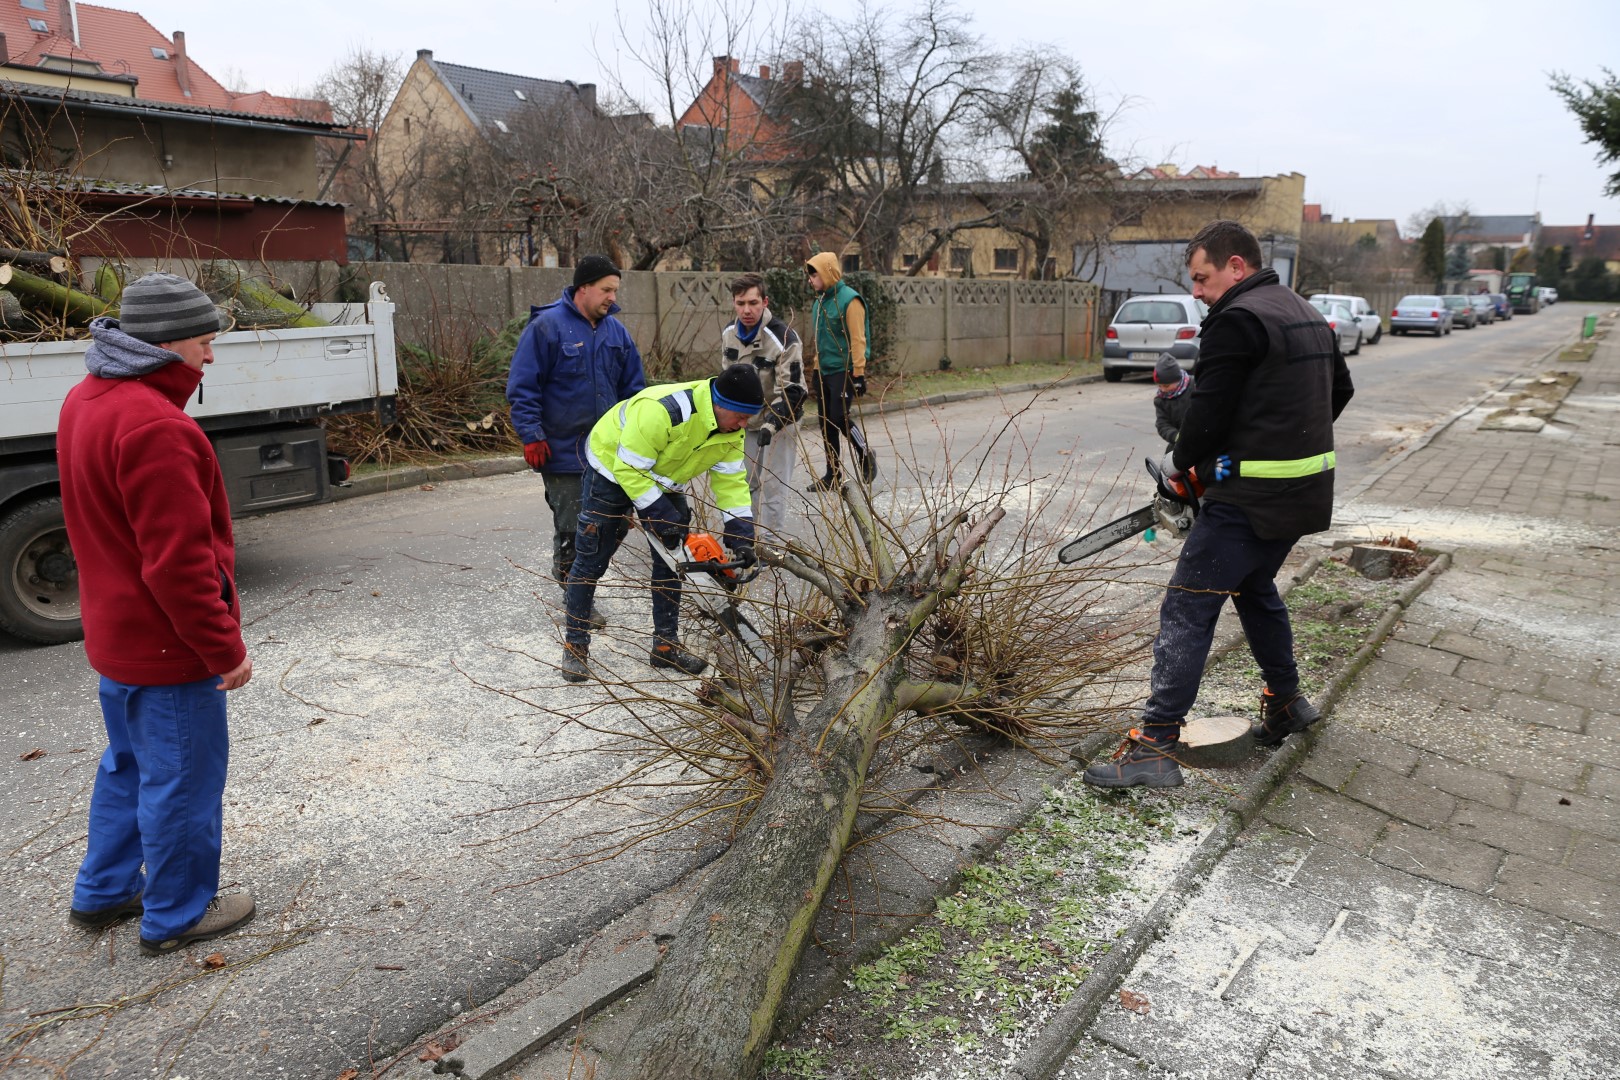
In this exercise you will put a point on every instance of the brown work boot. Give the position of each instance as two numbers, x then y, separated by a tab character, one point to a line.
576	663
224	914
1138	761
101	917
1280	719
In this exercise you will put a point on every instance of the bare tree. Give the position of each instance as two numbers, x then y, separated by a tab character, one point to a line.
360	88
895	103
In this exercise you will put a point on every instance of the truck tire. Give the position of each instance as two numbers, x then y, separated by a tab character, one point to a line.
39	581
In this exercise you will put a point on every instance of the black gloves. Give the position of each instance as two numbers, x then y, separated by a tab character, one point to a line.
765	434
857	384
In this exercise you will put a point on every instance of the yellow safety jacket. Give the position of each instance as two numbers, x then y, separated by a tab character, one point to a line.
664	436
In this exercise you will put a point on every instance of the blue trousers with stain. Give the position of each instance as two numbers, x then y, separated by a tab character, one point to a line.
158	801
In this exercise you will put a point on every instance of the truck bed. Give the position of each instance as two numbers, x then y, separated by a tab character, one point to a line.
293	372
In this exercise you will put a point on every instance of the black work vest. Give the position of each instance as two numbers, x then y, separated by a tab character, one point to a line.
1281	440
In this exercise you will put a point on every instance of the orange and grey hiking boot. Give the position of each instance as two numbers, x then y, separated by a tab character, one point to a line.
1280	719
1138	761
674	658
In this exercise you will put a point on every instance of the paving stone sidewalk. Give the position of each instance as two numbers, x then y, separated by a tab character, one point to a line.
1436	893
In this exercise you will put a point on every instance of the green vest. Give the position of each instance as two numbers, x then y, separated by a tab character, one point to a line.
832	337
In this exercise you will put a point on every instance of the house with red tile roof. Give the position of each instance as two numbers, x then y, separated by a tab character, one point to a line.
102	95
1589	241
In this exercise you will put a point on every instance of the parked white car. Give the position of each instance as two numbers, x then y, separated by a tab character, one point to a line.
1342	323
1371	323
1549	295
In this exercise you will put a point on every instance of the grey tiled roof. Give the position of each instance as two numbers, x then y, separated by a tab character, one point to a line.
489	95
1483	228
136	106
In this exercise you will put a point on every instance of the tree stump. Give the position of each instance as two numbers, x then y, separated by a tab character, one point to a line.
1214	742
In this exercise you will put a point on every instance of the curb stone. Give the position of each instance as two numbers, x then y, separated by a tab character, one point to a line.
1046	1054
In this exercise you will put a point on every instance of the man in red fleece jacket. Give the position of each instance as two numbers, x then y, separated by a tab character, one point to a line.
151	533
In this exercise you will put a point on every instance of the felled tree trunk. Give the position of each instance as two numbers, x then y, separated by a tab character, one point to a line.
714	998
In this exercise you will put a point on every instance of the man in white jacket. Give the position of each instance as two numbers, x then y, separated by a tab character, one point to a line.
759	338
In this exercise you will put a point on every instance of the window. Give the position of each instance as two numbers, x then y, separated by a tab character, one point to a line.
34	5
961	258
38	26
1007	259
520	95
502	125
1151	311
407	127
159	53
909	259
852	263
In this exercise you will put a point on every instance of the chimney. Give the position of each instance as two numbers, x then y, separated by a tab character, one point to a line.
70	20
181	71
793	72
736	65
722	64
1588	234
587	95
424	54
765	72
5	50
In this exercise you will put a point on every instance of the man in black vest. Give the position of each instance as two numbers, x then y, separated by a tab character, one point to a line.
1271	381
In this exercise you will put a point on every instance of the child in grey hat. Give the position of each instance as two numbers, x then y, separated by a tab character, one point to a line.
1171	399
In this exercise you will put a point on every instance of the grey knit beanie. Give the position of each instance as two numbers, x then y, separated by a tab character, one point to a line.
158	308
1167	370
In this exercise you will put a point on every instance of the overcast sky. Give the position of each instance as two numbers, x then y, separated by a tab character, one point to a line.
1386	107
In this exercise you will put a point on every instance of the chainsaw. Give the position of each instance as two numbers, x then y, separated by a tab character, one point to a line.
1171	512
704	555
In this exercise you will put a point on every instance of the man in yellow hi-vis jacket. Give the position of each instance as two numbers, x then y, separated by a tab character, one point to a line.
639	457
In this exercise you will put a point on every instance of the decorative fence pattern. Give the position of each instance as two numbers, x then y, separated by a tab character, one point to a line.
678	316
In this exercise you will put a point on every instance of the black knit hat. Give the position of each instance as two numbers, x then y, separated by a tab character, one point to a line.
594	268
738	389
158	308
1167	371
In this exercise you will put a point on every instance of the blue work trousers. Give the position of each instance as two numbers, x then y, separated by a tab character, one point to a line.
1222	558
605	516
157	801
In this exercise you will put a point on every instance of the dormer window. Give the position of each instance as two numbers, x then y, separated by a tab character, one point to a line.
34	5
159	53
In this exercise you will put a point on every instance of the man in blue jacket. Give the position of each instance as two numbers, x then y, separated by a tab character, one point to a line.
574	362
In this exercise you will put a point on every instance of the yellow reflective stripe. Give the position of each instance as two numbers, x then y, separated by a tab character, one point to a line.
1287	470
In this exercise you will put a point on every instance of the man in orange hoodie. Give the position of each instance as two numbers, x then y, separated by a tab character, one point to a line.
843	346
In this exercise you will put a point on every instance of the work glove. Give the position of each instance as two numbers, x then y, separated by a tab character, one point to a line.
537	454
764	435
667	520
1223	467
1183	482
857	385
744	553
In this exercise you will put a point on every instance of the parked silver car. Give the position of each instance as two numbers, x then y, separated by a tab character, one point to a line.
1421	311
1145	327
1372	324
1343	324
1484	307
1462	311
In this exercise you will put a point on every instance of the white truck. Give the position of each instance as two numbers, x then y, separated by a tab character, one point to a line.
262	407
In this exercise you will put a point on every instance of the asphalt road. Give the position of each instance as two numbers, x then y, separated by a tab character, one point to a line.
392	757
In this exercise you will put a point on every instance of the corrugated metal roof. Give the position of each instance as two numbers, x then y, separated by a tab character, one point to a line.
158	191
139	105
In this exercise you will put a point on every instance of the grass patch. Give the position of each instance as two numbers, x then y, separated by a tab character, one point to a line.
928	383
